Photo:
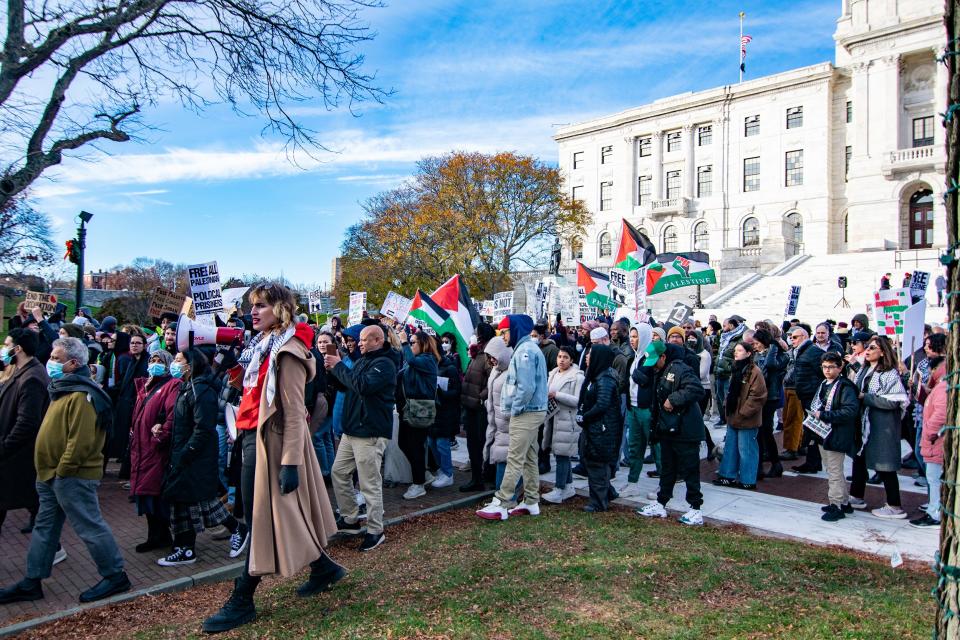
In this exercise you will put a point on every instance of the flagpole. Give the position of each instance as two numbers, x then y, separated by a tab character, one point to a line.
740	49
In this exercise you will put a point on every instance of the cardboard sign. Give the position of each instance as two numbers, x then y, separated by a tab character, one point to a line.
164	301
47	302
680	314
205	289
793	299
502	305
889	306
187	308
912	338
396	306
358	304
918	283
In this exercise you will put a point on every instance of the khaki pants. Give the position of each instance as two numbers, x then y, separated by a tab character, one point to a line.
522	459
365	455
837	491
792	421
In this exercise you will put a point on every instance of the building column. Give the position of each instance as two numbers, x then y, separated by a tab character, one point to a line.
939	100
860	96
885	129
686	188
656	153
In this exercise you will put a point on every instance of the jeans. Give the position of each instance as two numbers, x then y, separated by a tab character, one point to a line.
248	475
441	452
721	385
934	475
741	455
74	499
501	468
522	458
638	422
223	445
916	445
323	445
564	472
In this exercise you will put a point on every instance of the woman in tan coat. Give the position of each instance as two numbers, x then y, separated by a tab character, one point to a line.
285	501
744	410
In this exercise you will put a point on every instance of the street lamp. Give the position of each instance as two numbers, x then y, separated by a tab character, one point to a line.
85	217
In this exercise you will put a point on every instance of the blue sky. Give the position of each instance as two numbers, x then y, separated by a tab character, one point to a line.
487	76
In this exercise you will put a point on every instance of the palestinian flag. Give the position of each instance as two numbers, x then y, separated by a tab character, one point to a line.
428	312
453	297
674	270
635	250
596	287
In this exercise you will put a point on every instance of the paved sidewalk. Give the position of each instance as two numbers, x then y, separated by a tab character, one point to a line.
77	573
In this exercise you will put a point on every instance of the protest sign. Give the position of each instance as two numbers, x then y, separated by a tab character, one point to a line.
313	301
396	306
502	305
918	284
164	301
680	314
621	287
205	290
913	321
358	304
543	300
568	305
888	308
793	299
233	298
47	302
639	296
486	309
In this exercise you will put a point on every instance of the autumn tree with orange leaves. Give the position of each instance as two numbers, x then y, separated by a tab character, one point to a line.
478	215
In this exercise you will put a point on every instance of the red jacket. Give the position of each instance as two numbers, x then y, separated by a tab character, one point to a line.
934	417
150	454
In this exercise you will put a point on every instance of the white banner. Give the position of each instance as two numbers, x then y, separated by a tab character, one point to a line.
358	304
205	290
396	307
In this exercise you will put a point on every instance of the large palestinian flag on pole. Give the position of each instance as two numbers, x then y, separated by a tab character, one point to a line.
452	296
674	270
596	286
635	250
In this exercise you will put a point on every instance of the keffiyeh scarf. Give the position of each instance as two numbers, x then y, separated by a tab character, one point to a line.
252	358
727	336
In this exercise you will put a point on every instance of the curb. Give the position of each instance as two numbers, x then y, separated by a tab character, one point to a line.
211	576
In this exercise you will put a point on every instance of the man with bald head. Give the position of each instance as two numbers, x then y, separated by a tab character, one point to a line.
367	427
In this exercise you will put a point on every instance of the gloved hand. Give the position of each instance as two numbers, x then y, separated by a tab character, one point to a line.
289	479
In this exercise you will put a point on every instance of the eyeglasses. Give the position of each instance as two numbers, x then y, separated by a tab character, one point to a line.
871	347
828	366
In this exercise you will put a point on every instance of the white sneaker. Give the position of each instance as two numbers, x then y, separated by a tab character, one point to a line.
890	513
493	511
652	510
443	480
569	491
524	509
60	556
858	503
652	495
428	477
414	491
630	490
692	518
554	496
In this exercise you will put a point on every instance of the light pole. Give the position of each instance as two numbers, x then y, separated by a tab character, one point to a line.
81	245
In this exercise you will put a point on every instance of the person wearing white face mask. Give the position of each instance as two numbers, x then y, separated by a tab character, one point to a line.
23	401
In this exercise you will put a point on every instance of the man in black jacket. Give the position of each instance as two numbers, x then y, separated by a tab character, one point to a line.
678	427
367	427
807	376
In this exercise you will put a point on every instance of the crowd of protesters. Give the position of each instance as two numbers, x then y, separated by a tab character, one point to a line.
247	437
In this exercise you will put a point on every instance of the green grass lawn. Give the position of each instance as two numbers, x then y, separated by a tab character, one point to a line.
566	574
10	309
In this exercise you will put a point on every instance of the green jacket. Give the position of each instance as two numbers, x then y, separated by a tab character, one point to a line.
69	444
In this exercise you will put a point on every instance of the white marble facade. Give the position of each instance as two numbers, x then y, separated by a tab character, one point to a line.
835	157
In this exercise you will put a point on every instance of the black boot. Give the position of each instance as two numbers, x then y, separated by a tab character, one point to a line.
324	573
24	591
776	470
158	535
238	610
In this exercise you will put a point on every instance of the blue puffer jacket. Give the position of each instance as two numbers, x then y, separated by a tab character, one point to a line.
525	390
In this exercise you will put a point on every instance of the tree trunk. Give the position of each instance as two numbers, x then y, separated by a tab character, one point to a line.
948	603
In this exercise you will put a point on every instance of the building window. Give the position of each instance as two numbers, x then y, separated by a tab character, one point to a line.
606	196
795	228
576	249
751	126
751	174
923	131
705	181
704	135
751	233
793	168
670	239
849	111
847	156
673	141
576	194
643	189
606	248
578	159
794	117
606	154
645	147
673	184
701	237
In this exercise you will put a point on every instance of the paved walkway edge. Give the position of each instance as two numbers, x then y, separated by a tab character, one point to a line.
220	574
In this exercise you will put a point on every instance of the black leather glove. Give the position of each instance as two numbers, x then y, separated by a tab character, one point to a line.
289	479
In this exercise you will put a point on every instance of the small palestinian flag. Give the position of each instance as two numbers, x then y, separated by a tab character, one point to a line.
428	312
635	250
674	270
596	287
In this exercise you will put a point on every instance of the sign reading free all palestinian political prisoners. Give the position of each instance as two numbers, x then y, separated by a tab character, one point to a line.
205	290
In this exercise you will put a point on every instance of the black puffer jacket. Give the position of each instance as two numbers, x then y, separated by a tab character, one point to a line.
602	421
773	365
681	385
807	374
193	472
447	423
368	399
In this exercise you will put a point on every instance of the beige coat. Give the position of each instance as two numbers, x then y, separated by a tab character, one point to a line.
289	531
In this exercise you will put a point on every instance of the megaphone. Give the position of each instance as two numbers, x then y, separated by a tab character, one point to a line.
204	333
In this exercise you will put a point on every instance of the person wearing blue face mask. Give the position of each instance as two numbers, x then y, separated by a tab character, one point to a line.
69	462
23	401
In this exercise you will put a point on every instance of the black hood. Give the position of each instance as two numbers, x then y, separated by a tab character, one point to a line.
601	359
674	352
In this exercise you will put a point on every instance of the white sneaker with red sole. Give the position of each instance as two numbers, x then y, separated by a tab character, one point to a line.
526	510
493	511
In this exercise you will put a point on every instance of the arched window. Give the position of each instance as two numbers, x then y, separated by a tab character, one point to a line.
576	249
670	239
921	219
701	237
605	247
751	232
795	226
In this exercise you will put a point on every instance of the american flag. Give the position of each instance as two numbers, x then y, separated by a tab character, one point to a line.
743	43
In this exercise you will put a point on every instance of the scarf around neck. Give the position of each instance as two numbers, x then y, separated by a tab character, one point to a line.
81	382
727	336
252	359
